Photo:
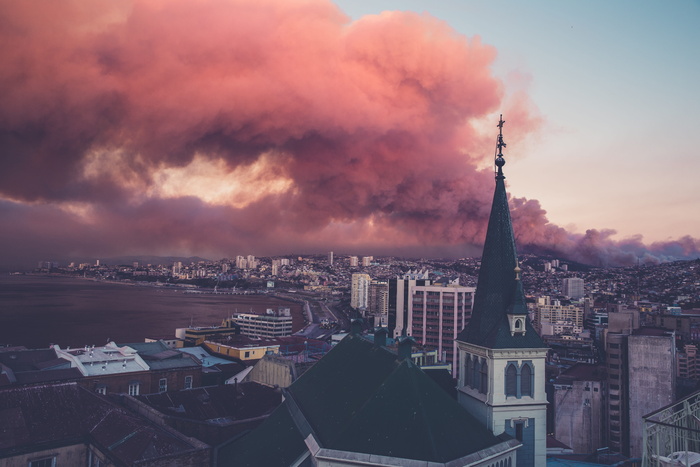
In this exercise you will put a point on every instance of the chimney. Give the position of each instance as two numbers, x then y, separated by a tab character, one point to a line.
356	326
405	347
380	334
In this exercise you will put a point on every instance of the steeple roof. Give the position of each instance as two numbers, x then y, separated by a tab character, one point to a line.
498	293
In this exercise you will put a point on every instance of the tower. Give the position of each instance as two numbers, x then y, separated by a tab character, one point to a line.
502	358
359	291
572	287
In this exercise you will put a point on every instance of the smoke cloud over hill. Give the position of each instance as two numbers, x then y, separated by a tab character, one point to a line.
223	127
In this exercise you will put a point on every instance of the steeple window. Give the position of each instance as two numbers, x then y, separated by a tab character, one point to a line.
511	380
484	380
518	379
475	373
467	369
526	379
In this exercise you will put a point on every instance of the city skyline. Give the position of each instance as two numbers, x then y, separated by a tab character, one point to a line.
232	127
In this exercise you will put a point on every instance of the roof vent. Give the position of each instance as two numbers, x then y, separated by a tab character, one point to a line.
406	347
380	334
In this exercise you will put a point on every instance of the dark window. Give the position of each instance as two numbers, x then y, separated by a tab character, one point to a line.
511	380
519	431
45	462
484	386
526	380
467	369
475	373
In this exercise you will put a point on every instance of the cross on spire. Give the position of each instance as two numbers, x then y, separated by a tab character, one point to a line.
500	144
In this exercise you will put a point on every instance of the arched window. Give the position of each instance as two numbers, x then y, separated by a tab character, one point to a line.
526	380
518	324
467	369
484	386
475	372
511	380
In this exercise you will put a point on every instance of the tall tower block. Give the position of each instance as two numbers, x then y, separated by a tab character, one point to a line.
502	357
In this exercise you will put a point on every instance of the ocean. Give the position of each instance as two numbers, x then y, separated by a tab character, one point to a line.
37	311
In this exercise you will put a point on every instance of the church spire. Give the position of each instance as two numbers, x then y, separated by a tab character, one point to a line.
499	290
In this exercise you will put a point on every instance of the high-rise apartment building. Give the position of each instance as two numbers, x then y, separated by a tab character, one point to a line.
367	260
359	291
353	261
399	298
378	302
436	315
252	262
330	258
552	318
241	262
572	287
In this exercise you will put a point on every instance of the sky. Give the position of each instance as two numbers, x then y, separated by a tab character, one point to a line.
226	127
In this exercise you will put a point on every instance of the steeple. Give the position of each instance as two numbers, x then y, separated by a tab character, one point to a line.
499	292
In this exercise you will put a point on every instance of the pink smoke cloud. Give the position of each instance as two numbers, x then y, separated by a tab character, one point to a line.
372	125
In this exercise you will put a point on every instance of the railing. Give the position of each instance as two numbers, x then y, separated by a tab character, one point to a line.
674	429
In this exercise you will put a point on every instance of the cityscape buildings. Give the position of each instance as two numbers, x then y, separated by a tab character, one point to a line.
436	315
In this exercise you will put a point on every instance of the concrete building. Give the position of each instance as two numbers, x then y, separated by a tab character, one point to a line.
378	302
436	315
353	261
367	260
359	291
552	318
572	287
688	363
651	357
274	323
399	298
579	408
330	258
502	382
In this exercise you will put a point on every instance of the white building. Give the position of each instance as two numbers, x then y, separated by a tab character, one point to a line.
359	292
436	315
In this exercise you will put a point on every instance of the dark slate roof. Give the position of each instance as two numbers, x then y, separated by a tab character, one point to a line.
31	360
21	366
276	442
498	292
233	402
38	417
361	398
159	356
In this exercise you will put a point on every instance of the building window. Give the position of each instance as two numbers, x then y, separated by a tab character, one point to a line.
101	389
526	380
247	354
467	369
511	380
484	377
475	373
134	389
188	382
44	462
519	426
162	385
93	460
